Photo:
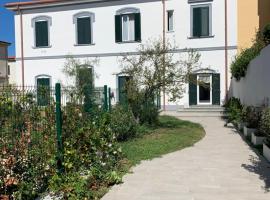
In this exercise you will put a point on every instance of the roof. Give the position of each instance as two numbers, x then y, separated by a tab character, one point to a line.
5	43
46	3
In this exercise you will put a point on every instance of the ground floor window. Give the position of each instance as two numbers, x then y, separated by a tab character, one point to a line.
122	89
43	83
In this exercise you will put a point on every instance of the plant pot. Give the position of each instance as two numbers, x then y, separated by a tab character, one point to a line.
266	151
249	131
257	140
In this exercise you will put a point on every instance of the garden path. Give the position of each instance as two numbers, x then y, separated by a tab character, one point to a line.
219	167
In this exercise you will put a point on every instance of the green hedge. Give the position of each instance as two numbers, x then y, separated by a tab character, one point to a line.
240	65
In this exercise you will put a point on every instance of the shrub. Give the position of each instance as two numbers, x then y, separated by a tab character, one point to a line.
234	110
264	125
266	34
123	123
252	117
240	64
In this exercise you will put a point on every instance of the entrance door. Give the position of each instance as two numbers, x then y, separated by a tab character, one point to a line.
204	89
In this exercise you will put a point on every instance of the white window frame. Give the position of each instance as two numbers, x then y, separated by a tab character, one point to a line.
198	90
210	19
170	11
33	24
129	39
128	11
92	21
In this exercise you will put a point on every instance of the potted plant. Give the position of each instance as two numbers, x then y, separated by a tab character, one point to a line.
258	137
265	128
252	120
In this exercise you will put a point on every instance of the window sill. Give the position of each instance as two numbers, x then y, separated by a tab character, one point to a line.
172	31
202	37
42	47
83	45
124	42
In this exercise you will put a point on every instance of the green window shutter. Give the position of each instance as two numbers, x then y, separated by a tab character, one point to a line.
122	81
84	30
42	34
197	22
193	90
118	28
137	27
216	89
43	91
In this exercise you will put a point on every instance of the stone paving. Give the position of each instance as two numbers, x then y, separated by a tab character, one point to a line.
219	167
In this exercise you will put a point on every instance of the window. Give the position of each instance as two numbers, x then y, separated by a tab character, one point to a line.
128	25
201	21
170	20
43	83
41	26
84	27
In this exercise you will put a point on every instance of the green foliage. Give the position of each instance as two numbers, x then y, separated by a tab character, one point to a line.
234	109
264	125
155	69
252	116
240	65
123	123
266	34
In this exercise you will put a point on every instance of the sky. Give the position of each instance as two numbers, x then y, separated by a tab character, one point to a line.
7	32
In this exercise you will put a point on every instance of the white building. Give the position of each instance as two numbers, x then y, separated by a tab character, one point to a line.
53	29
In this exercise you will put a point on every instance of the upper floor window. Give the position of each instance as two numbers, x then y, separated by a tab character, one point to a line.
201	20
170	20
84	27
41	27
128	25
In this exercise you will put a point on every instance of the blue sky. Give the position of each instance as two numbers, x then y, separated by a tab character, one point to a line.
7	25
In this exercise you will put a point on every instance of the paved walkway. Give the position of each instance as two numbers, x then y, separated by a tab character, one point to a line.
220	167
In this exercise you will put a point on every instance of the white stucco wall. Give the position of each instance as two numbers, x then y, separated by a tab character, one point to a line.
254	88
51	60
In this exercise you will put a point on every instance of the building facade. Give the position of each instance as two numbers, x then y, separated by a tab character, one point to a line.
49	31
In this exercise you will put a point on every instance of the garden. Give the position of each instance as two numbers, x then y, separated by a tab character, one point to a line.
76	145
253	122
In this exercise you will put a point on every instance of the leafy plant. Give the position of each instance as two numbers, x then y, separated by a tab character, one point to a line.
264	125
241	62
252	117
234	109
123	123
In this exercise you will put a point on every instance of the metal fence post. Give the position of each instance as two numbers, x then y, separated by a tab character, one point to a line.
60	150
105	106
110	100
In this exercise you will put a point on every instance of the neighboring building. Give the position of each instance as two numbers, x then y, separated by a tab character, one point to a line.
53	29
4	62
253	15
12	71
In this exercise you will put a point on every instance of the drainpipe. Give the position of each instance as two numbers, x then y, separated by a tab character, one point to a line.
164	43
226	50
22	45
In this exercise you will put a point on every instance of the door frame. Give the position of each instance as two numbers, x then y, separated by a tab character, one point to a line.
198	90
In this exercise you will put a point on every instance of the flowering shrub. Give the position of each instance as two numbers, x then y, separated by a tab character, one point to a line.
28	150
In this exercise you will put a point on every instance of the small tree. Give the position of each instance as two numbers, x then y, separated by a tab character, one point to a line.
156	68
80	74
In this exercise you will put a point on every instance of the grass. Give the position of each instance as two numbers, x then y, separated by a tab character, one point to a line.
170	135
